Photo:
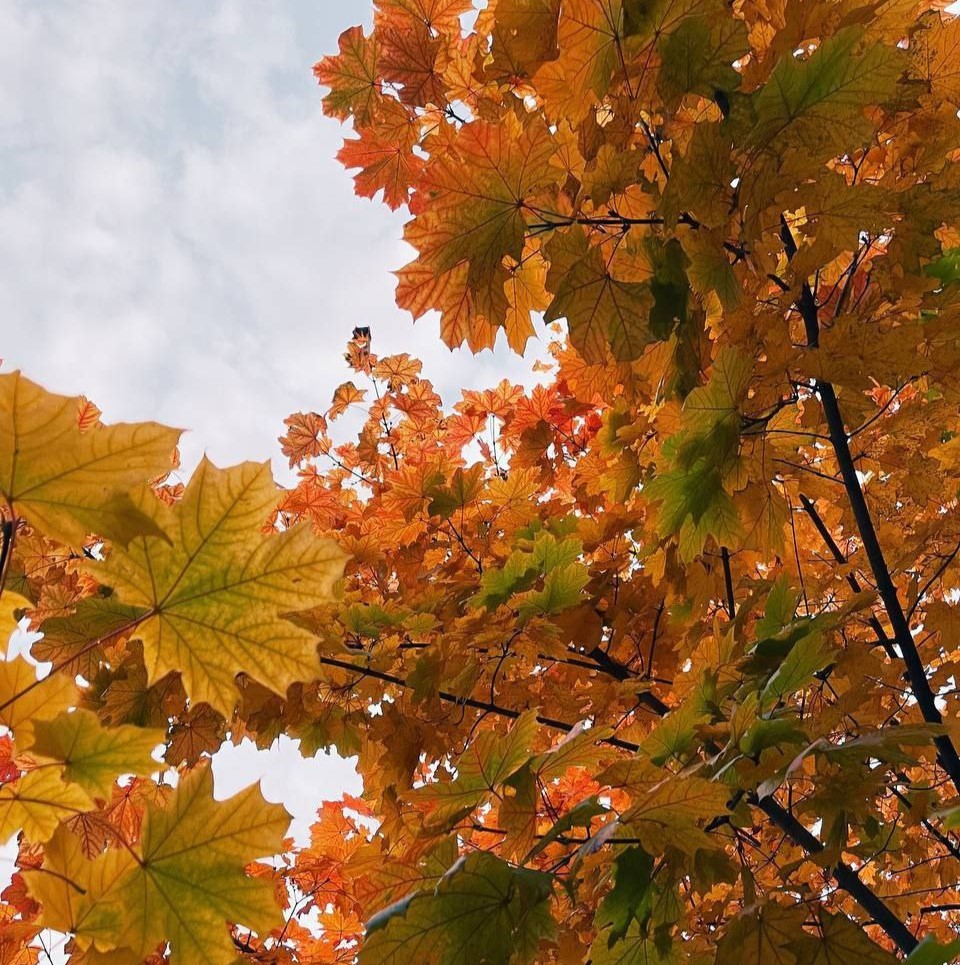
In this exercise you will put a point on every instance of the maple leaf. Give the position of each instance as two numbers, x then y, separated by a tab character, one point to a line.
698	57
672	811
766	933
411	60
439	15
715	548
352	77
385	163
933	50
483	767
820	101
481	902
637	948
200	731
92	755
562	589
840	941
630	893
345	396
71	483
305	438
701	177
37	802
480	190
602	311
397	370
72	888
694	502
556	561
213	597
590	33
182	883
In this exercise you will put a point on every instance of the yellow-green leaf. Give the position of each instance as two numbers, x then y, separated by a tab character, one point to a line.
674	811
181	884
37	802
483	910
819	102
191	881
214	597
94	756
76	895
69	483
25	700
484	766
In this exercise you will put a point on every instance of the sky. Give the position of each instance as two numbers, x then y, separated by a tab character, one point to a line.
178	243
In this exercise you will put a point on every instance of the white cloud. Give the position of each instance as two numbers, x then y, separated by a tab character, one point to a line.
176	238
300	783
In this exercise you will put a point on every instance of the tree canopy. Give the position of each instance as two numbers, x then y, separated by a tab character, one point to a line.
654	662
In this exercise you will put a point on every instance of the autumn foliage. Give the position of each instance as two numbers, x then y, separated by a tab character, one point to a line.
653	663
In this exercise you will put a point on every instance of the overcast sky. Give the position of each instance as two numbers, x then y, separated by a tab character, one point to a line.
176	239
178	243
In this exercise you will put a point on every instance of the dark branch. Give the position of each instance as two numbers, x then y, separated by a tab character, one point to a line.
916	672
845	876
728	582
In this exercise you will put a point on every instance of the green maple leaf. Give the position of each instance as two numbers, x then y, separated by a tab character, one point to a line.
693	501
562	589
698	58
810	653
555	560
482	910
483	767
629	897
818	103
603	312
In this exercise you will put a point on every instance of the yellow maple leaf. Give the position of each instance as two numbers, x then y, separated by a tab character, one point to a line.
94	755
215	595
181	884
37	802
70	483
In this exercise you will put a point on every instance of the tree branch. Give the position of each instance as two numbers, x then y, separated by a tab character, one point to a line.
728	582
462	701
845	876
916	672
